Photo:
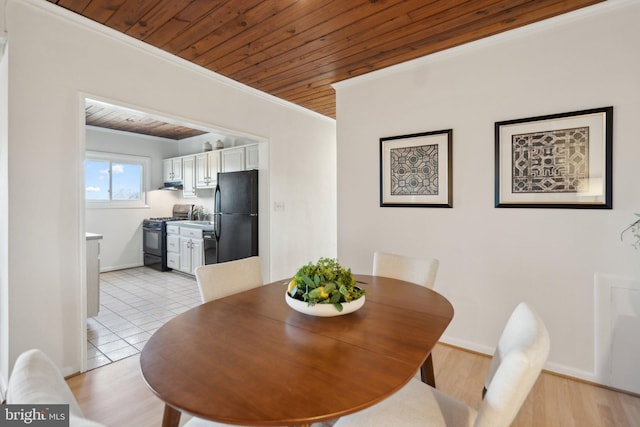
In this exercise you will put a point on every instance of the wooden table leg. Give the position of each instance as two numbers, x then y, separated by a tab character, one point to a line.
171	417
426	372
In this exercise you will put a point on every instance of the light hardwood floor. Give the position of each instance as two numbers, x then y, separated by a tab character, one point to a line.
116	395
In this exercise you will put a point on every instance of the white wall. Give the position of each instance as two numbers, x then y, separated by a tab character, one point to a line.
490	259
113	141
55	59
121	246
303	184
4	197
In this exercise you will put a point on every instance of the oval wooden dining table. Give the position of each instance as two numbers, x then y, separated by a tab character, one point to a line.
249	359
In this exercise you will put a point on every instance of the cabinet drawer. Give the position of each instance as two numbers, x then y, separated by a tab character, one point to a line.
191	232
173	229
173	243
173	260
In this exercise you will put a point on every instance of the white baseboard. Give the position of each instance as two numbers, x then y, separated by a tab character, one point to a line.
549	366
119	267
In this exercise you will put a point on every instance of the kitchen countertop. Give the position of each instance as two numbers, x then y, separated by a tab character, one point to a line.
202	225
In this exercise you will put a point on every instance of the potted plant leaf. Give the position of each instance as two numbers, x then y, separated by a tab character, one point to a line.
324	283
634	228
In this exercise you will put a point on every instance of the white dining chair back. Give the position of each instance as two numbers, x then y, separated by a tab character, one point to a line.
221	280
421	271
228	278
522	350
37	380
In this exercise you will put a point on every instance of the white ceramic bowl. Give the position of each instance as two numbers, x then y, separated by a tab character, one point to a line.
323	310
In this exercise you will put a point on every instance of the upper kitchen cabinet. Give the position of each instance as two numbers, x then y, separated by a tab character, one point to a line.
198	171
240	158
189	175
233	159
251	157
207	168
173	170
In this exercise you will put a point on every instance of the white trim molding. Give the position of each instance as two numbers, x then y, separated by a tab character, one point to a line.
534	28
133	42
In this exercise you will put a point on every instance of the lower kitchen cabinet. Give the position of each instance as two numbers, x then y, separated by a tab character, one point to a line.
191	245
173	247
93	273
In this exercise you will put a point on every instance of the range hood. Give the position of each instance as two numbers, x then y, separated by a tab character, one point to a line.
171	186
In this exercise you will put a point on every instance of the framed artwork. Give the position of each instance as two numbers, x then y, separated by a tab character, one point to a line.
555	161
416	170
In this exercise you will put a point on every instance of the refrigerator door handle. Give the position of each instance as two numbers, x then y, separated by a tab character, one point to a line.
216	200
216	228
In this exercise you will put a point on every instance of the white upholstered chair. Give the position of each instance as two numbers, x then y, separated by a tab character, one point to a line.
421	271
221	280
518	359
228	278
36	380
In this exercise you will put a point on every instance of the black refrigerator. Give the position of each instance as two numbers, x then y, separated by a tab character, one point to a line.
236	216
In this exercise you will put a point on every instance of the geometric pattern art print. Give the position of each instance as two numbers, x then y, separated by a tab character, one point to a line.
414	170
554	161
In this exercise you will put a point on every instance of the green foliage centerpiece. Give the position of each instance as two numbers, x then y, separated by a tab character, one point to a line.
325	282
635	231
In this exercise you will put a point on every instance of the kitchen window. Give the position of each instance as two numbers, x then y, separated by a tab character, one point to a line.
115	180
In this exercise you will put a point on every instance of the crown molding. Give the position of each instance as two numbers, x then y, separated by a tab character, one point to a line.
87	24
494	40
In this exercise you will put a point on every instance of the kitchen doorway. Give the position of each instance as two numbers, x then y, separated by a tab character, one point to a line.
120	327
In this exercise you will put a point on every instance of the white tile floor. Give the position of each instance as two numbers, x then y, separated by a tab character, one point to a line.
134	303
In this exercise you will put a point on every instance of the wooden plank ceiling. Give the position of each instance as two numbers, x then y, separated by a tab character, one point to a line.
295	49
108	116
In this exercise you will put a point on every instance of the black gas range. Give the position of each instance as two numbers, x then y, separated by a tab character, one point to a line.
154	237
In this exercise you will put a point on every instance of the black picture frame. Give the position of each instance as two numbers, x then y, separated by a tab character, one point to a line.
555	161
416	170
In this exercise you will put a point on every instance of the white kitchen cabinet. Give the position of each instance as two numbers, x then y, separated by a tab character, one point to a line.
233	159
173	259
173	227
188	176
173	169
207	168
202	170
167	170
93	273
191	249
173	246
190	254
251	157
